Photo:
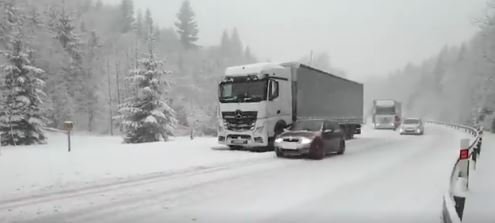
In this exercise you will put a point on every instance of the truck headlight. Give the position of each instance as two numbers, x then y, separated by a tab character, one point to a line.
418	130
279	140
259	129
306	141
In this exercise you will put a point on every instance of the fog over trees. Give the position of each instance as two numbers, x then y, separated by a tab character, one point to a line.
453	85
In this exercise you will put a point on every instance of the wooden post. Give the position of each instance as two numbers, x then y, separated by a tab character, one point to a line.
68	126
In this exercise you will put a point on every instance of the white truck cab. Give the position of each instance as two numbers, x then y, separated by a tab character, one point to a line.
255	104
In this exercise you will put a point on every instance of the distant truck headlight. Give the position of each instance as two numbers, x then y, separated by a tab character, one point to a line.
418	130
401	130
279	140
305	141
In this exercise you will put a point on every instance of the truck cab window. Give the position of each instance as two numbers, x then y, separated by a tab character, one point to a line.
274	91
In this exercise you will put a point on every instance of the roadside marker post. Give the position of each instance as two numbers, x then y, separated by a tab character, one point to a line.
68	126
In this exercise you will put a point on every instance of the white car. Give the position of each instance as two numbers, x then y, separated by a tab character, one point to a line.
412	126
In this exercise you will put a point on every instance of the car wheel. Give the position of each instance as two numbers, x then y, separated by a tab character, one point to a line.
342	147
235	147
317	150
279	153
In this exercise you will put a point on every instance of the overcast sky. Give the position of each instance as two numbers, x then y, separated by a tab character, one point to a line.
362	37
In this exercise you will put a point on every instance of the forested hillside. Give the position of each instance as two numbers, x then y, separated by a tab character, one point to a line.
87	51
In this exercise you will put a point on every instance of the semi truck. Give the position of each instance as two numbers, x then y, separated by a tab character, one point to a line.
387	114
258	101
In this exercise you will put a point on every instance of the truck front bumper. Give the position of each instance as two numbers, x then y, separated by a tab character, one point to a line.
242	139
384	125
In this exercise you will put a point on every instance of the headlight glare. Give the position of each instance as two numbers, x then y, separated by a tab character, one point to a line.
305	141
278	140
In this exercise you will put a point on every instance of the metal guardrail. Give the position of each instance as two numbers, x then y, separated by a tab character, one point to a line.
455	199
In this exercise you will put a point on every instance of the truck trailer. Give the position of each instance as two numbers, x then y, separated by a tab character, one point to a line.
258	101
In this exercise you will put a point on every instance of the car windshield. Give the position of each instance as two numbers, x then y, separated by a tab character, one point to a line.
244	91
411	121
309	125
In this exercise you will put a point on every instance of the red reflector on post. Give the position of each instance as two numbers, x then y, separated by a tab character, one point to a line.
464	155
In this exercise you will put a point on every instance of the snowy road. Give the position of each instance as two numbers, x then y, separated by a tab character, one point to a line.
383	177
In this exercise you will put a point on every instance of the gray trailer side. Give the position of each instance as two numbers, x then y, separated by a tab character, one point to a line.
321	95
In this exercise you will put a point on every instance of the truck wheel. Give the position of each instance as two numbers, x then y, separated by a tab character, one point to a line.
342	147
317	152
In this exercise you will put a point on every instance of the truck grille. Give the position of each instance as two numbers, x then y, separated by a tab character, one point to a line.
239	120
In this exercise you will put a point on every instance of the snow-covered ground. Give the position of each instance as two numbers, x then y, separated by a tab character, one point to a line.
96	158
383	177
480	200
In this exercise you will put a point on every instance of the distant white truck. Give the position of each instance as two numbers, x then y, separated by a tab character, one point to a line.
387	114
258	101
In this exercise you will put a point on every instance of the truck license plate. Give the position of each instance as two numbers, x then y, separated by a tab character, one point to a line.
239	141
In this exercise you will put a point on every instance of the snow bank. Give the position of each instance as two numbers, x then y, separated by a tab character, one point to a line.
93	158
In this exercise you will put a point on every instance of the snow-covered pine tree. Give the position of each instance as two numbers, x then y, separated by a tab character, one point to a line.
186	25
147	116
21	119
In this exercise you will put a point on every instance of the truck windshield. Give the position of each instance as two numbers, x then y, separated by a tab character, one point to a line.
245	91
307	125
385	110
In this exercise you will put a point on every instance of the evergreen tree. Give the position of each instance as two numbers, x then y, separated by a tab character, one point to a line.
21	119
225	43
236	44
147	116
72	76
148	22
9	19
248	55
139	24
127	15
187	28
89	100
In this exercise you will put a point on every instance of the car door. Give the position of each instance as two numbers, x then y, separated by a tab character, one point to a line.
327	135
336	136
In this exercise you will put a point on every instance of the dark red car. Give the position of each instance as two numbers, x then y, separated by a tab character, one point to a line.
315	138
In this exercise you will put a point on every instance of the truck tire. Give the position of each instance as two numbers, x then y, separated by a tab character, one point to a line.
317	152
342	147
